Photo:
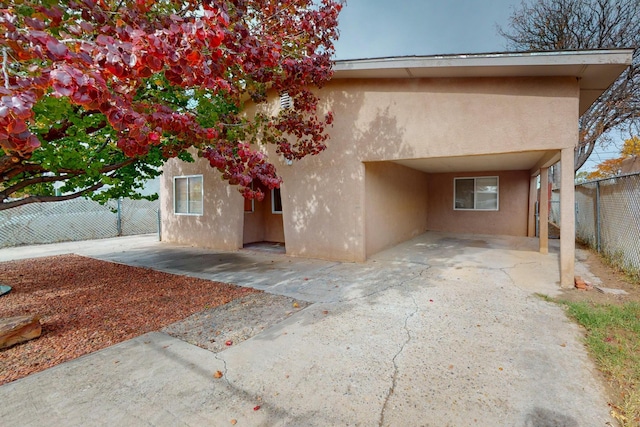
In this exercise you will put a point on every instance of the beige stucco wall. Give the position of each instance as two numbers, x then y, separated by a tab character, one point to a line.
220	227
416	118
510	219
330	209
396	204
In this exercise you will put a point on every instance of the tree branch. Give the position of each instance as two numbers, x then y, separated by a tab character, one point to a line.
44	199
69	173
5	65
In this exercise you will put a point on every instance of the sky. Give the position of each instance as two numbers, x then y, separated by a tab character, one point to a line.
380	28
375	28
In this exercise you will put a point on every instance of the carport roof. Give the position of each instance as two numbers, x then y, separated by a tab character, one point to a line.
595	70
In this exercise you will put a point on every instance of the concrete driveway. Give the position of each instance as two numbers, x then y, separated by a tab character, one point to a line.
442	330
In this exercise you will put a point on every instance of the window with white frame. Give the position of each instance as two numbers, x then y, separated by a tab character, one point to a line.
276	201
475	193
249	206
188	195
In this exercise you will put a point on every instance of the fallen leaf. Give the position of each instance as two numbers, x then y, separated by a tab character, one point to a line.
450	366
500	369
228	343
563	344
255	408
296	305
325	312
430	300
218	374
234	421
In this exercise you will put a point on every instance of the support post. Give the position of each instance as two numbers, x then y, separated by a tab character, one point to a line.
567	219
543	208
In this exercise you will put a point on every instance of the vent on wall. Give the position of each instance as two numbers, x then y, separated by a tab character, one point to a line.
285	101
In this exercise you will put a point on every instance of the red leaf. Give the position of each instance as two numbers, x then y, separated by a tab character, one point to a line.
57	49
17	126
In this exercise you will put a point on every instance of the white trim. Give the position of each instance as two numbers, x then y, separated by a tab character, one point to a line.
475	192
497	59
175	178
273	201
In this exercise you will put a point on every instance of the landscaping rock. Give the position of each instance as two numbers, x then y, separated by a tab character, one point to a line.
580	284
15	330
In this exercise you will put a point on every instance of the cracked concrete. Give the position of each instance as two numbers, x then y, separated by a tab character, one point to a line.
442	330
395	365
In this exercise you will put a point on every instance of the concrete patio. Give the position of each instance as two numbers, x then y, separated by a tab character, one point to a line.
442	330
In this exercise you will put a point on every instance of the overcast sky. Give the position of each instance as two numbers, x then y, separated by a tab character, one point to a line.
379	28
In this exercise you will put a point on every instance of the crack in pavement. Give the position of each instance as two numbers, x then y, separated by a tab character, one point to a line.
395	365
224	368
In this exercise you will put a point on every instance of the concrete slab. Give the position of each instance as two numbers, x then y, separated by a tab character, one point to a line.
440	330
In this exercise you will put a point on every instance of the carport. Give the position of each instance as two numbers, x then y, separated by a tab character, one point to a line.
427	202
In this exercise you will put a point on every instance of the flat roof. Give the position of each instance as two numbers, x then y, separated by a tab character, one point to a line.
595	70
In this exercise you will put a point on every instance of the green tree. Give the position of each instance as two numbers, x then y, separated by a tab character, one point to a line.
543	25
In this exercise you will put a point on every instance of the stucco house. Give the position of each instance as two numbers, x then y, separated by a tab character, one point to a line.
446	143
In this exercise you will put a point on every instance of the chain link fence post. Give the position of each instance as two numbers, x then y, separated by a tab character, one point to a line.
119	218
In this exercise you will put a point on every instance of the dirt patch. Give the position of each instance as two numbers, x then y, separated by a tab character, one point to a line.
608	278
217	328
86	305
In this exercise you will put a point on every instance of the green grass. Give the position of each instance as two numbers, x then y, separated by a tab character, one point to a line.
613	338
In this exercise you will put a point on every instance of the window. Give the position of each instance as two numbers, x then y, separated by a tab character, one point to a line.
249	204
479	194
187	195
276	201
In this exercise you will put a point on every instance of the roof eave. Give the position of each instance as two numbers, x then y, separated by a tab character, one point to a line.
595	70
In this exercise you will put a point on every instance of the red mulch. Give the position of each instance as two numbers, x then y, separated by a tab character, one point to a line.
86	305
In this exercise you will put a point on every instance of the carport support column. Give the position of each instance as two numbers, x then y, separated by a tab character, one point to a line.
543	208
533	197
567	219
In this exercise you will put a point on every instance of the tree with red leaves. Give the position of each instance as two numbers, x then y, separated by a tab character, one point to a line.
99	93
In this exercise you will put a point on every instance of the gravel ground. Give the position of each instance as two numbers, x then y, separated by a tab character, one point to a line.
86	305
217	328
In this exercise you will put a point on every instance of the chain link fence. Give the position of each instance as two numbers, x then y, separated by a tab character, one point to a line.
608	219
77	219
